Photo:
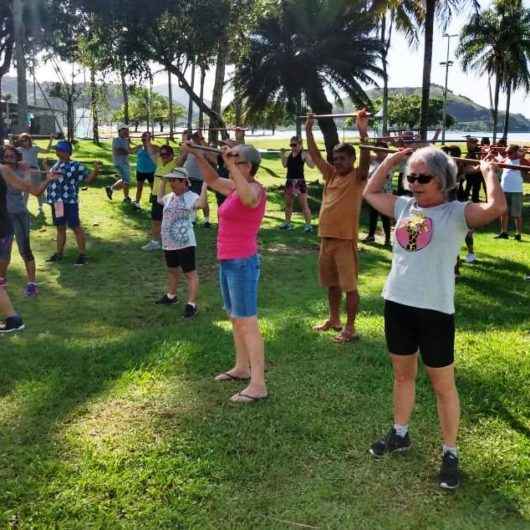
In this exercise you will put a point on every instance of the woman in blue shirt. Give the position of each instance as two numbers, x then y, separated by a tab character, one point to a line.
145	166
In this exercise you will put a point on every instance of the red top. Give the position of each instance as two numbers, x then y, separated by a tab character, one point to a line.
238	227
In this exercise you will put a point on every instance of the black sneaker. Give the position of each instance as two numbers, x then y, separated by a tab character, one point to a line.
56	257
11	324
165	300
368	239
449	474
109	191
80	261
190	311
517	237
127	200
391	443
502	235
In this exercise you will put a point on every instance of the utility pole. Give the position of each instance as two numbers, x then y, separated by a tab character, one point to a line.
447	64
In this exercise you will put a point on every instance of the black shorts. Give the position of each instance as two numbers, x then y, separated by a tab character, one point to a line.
142	177
183	258
409	329
196	186
157	209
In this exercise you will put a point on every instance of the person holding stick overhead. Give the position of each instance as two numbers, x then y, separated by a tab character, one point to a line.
295	185
338	228
419	290
240	217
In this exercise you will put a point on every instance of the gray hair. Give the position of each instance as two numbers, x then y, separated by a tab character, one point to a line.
439	165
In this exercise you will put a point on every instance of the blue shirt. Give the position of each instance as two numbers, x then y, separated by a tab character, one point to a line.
66	187
144	162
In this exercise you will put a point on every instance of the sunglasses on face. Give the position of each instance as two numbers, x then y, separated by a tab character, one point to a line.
294	145
421	179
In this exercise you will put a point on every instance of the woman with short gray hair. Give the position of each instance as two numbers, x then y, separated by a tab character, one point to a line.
419	291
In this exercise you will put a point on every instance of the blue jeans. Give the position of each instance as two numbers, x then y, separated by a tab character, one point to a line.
239	279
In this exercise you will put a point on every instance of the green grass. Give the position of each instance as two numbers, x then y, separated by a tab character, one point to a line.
109	417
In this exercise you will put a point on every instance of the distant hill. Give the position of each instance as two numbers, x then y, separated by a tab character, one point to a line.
469	116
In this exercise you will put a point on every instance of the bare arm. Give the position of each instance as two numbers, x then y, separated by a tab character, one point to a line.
374	194
161	192
95	172
209	174
307	159
283	157
23	185
479	214
202	201
324	167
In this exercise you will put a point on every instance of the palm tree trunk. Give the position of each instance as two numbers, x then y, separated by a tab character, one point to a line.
218	86
201	95
507	117
385	41
125	95
190	103
94	106
496	107
316	97
430	7
22	90
171	114
4	68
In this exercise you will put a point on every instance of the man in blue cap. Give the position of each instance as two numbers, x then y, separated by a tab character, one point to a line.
62	195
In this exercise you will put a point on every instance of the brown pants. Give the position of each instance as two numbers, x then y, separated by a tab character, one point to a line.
338	263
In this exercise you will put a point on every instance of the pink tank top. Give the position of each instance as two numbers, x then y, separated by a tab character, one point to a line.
239	227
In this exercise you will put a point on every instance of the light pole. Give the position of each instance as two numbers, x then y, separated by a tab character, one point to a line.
447	64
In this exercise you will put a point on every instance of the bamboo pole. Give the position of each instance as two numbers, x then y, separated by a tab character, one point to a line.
346	115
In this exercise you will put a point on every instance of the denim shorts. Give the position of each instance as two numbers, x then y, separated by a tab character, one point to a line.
124	172
239	285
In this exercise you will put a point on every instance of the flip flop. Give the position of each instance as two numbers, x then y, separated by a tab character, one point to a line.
247	398
230	377
326	327
344	338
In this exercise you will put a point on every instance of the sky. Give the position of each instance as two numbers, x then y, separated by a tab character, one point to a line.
405	68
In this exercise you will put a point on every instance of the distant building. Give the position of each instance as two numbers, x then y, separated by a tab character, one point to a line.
41	120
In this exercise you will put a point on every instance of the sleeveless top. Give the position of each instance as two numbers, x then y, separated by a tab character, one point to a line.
238	227
5	224
295	166
144	162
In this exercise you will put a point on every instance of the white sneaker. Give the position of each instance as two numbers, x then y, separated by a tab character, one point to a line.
471	258
137	205
152	245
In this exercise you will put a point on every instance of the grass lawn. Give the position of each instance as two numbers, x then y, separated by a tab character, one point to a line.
109	417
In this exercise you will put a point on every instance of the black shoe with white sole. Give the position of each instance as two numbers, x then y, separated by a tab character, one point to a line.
165	300
391	443
11	324
449	474
190	311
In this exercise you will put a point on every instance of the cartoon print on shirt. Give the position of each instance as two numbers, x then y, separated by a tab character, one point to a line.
414	232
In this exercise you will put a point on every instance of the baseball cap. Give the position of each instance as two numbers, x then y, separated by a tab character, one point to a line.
122	126
63	146
178	173
248	153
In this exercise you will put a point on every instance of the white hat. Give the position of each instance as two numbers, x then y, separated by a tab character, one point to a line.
178	173
122	126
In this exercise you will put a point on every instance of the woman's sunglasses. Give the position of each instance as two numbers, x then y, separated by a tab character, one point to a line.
422	179
294	145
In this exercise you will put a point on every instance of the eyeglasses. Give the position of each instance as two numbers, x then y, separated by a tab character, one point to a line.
294	145
422	179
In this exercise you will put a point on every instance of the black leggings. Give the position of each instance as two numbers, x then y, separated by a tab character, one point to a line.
374	215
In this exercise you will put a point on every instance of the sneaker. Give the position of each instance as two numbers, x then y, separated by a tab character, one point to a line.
308	229
31	290
449	474
502	235
127	200
56	257
388	243
391	443
136	204
207	224
152	245
109	191
81	260
286	226
369	239
517	237
11	324
190	311
471	258
165	300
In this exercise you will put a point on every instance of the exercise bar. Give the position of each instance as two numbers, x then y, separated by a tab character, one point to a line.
455	158
347	115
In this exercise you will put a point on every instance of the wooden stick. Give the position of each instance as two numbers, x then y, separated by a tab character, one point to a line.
205	148
455	158
347	115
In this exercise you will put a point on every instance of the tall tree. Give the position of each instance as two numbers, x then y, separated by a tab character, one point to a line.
7	40
284	60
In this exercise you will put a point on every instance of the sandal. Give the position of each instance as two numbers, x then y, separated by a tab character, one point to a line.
345	337
326	326
226	376
240	397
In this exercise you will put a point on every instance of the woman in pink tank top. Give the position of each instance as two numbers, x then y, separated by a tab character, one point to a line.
240	217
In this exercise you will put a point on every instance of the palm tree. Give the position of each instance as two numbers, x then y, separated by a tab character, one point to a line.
443	10
496	42
308	46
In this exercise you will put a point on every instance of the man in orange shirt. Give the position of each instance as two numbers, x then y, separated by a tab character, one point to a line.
338	227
